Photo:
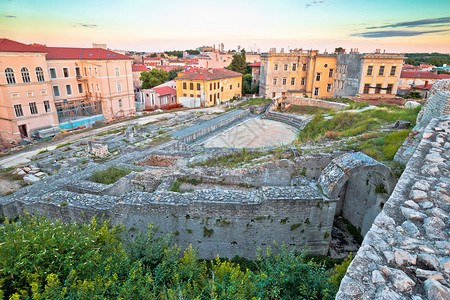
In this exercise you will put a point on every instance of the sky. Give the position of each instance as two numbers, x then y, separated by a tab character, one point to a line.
148	25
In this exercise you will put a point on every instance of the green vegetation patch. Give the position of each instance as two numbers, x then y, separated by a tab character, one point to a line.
110	175
308	110
45	259
255	101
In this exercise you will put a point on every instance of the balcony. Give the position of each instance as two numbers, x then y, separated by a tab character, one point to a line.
81	78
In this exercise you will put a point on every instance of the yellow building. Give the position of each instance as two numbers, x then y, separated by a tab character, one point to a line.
210	87
326	75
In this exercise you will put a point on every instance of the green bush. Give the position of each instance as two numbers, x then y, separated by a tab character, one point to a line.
110	175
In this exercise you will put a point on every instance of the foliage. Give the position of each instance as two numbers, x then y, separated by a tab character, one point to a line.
414	95
44	259
193	52
153	78
247	85
308	110
153	55
238	64
176	53
354	231
339	271
353	104
174	73
109	175
436	59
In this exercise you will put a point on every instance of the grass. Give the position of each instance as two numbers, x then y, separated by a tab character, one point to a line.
349	124
308	110
353	104
110	175
255	101
64	145
233	160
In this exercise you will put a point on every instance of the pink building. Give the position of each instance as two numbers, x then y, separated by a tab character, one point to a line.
44	88
26	101
137	69
160	97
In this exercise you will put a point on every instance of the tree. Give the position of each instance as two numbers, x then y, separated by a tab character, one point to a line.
338	49
246	84
238	64
153	55
415	95
174	73
153	78
193	52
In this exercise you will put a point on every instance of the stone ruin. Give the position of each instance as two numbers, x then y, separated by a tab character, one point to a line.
97	148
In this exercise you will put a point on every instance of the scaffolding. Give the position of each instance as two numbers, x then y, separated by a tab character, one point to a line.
78	109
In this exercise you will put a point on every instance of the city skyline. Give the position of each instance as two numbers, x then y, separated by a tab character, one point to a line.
155	26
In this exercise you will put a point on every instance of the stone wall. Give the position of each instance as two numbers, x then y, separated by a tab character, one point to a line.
301	101
405	254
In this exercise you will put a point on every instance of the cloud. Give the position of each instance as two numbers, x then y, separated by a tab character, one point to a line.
392	33
85	25
10	16
314	3
416	23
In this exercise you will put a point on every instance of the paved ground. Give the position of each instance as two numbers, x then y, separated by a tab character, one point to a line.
253	133
23	157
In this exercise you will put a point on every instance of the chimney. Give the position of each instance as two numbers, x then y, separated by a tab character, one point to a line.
426	84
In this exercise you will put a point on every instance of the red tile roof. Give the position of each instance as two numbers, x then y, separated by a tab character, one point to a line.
165	90
7	45
256	64
204	74
80	53
138	68
423	87
423	75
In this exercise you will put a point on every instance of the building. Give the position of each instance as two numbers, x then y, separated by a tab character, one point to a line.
47	87
160	97
210	87
137	69
26	100
256	70
309	73
409	79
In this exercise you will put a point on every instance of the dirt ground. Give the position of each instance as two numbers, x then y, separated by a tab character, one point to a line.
254	133
342	242
8	186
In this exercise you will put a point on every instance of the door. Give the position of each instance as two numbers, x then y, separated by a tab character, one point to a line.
23	131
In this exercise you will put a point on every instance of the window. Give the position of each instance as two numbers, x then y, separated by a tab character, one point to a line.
66	72
275	67
369	70
77	71
184	94
393	69
47	106
98	88
68	89
366	88
378	88
318	76
221	89
80	88
30	94
294	67
304	67
316	91
293	81
381	71
117	70
275	81
239	85
389	88
44	93
56	92
33	108
330	73
210	86
85	71
302	82
39	74
95	71
53	74
18	110
15	95
191	86
325	65
118	86
285	67
198	86
210	98
273	95
231	87
328	87
9	73
284	81
184	85
120	104
191	95
25	75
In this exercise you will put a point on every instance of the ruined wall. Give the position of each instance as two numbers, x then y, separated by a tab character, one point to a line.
301	101
405	254
352	76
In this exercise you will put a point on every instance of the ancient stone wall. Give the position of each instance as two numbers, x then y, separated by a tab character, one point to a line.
301	101
405	254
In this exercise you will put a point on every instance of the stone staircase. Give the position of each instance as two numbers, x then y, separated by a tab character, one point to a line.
295	121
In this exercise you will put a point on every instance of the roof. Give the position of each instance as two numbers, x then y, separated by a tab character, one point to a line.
423	75
423	87
138	68
7	45
80	53
165	90
206	75
256	64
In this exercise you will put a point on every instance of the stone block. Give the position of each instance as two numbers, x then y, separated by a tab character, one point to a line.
29	178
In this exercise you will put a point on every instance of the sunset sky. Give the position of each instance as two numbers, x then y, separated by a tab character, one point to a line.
393	25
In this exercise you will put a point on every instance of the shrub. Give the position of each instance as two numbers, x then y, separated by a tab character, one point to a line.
110	175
